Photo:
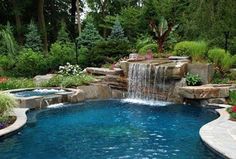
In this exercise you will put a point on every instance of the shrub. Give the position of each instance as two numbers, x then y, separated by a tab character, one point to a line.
223	60
117	32
15	83
193	80
6	62
63	35
8	44
147	47
109	51
232	97
232	112
196	49
69	69
143	41
60	54
7	103
30	63
69	81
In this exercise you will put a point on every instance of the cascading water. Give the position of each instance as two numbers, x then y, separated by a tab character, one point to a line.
143	85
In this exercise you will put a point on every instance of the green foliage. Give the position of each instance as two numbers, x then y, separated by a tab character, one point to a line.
84	57
69	81
33	40
143	41
6	62
117	32
232	111
108	51
193	80
30	63
60	54
221	59
15	83
147	47
196	49
8	44
232	97
63	35
7	103
89	36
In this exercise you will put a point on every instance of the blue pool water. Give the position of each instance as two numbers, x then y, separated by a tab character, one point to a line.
37	92
111	129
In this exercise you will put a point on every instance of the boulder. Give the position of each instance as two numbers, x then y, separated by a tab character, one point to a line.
116	82
104	71
39	79
203	92
205	71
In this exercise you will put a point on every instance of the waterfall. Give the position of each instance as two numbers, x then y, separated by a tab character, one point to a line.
144	85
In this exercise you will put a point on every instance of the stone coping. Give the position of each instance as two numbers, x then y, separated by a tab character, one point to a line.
220	135
21	119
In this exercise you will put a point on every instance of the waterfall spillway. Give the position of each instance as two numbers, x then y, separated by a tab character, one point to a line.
146	82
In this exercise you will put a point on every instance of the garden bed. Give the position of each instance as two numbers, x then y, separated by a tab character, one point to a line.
9	121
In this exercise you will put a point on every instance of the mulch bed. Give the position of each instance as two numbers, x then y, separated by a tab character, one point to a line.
10	120
3	79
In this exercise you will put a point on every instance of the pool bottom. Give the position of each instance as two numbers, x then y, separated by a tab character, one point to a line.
111	129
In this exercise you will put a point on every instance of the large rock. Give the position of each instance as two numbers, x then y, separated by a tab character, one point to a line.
96	91
205	71
116	82
104	71
203	92
39	79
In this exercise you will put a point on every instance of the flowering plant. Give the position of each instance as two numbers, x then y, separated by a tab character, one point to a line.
69	69
232	112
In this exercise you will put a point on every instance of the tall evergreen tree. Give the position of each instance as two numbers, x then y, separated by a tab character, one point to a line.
117	32
33	40
89	36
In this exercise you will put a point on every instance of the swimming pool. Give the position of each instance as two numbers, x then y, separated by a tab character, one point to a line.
111	129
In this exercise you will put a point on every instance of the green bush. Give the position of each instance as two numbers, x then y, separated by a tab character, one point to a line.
7	103
221	59
69	81
147	47
6	62
30	63
60	54
193	80
232	97
196	49
143	41
15	83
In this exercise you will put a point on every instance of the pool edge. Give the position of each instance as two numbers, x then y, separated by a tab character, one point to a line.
21	119
216	135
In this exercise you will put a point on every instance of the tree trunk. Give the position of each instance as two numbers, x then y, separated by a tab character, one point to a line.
18	22
73	10
160	43
42	25
78	16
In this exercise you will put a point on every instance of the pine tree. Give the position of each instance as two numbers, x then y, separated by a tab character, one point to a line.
117	32
33	40
89	36
63	35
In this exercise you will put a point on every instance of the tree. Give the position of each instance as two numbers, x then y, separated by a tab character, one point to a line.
33	39
42	25
117	32
63	35
8	44
89	36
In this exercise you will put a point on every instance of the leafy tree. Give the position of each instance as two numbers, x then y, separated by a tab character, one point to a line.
63	35
33	40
